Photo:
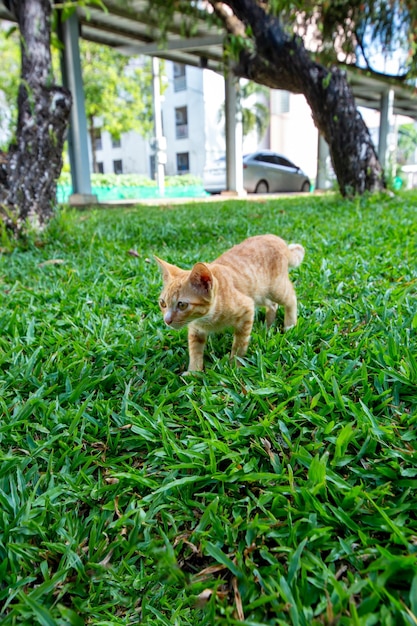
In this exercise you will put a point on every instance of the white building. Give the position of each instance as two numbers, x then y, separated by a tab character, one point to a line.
190	118
194	129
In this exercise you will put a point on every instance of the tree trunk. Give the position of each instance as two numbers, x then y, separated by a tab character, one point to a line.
280	61
34	160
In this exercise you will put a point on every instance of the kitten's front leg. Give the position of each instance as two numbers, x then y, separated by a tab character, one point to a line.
196	344
243	330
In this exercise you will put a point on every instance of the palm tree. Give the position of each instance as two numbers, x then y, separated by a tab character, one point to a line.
255	114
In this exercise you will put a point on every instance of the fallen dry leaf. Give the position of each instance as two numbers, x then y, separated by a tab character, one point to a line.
51	262
206	594
133	252
209	571
204	597
111	481
105	562
238	601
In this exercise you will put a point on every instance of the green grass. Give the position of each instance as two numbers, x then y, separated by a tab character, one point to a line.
281	492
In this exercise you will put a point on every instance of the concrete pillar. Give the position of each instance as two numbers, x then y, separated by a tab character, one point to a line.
323	153
385	128
77	135
234	138
160	142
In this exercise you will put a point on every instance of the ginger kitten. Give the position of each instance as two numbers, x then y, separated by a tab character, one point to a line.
223	294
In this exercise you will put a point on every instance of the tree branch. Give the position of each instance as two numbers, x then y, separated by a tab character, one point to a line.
233	25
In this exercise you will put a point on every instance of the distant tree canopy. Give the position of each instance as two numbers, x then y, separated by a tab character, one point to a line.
378	35
407	143
254	111
117	91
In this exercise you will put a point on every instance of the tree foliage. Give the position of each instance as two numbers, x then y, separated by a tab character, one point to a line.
255	113
255	116
377	35
117	91
407	143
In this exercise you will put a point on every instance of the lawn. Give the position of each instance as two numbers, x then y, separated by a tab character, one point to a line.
281	492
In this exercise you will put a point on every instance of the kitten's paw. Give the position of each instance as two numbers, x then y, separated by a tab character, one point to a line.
288	327
188	373
237	361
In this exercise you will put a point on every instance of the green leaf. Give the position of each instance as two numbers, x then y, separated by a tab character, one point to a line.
220	557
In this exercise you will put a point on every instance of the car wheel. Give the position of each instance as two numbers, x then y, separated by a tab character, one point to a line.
262	187
305	186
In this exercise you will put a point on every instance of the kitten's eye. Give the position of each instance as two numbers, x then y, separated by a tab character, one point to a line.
182	305
162	304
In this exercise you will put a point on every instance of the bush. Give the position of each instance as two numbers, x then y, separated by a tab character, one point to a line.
111	181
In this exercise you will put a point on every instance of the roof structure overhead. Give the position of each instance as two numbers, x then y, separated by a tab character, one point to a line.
368	90
127	27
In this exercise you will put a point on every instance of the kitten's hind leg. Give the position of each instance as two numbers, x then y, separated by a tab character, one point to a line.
271	312
196	344
290	307
287	297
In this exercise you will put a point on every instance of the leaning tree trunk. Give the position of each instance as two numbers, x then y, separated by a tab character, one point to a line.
34	160
281	61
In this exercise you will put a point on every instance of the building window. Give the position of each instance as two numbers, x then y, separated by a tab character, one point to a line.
98	144
116	143
152	165
280	101
100	168
183	162
181	123
180	79
118	166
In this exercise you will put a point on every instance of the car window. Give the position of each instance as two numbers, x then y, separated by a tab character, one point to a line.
285	162
266	158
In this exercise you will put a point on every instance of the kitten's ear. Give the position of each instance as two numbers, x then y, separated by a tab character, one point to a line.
168	270
201	279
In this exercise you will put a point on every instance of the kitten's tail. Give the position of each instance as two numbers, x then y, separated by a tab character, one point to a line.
295	255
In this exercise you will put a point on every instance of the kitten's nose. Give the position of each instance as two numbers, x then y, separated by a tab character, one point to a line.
168	317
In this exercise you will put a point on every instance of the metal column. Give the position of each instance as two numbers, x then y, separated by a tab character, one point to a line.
77	134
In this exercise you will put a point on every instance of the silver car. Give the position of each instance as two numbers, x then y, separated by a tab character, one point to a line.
263	171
